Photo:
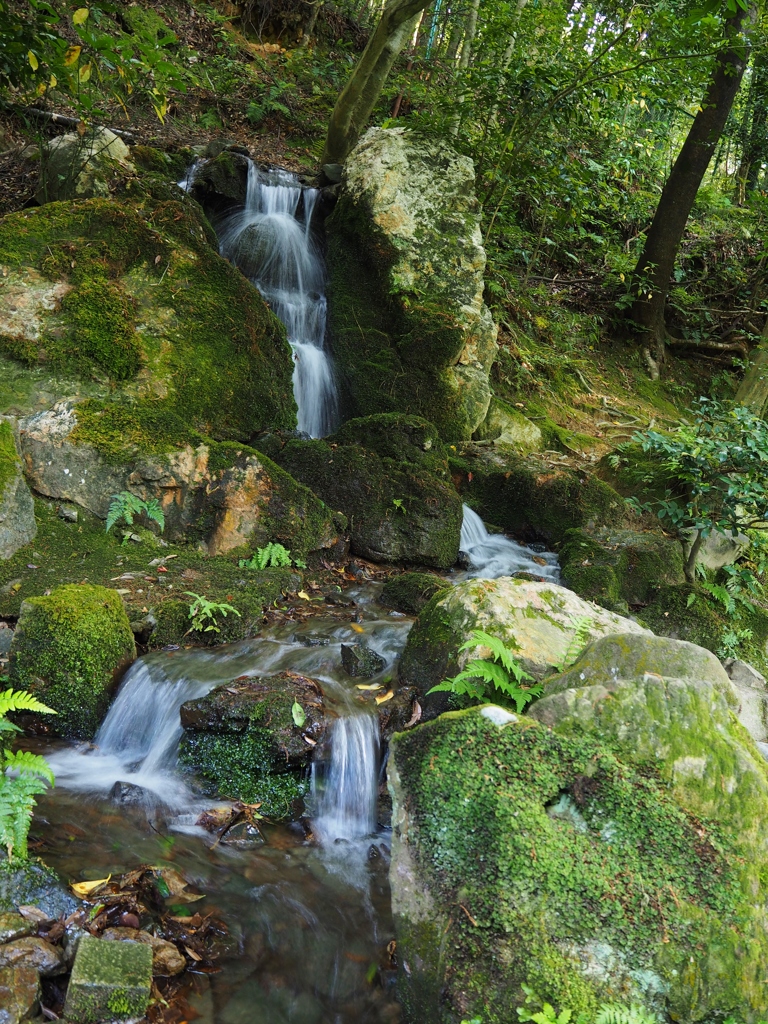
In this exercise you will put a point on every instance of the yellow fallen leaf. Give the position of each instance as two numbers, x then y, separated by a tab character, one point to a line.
387	696
368	686
83	889
84	73
357	629
304	595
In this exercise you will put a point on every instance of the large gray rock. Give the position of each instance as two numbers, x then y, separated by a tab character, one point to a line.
249	502
751	692
17	509
717	549
504	424
539	621
83	166
409	327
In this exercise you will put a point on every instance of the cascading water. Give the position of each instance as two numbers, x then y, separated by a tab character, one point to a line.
492	554
345	790
271	241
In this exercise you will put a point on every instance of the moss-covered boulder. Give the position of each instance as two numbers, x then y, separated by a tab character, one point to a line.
409	592
530	495
224	495
69	649
408	325
17	508
619	854
83	166
504	424
544	624
242	739
127	303
224	176
398	509
617	568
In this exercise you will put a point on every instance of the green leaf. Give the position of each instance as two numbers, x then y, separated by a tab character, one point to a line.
299	715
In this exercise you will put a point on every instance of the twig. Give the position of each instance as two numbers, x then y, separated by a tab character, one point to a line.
62	119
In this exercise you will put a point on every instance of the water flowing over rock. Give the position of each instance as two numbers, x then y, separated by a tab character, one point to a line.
540	621
271	241
492	554
408	325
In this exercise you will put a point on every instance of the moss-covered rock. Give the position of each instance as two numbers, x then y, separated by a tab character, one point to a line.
541	622
504	424
243	741
617	568
128	304
83	166
33	883
17	509
224	175
524	854
409	592
110	981
398	509
407	321
70	649
528	495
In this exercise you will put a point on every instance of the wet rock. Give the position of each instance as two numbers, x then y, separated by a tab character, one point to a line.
19	994
360	661
83	166
17	510
31	951
166	959
142	629
13	926
222	175
127	794
33	886
408	592
538	620
70	649
242	739
110	981
311	639
407	320
6	639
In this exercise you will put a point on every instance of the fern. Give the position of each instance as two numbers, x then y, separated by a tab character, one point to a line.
127	506
722	595
23	776
505	674
615	1013
273	555
581	628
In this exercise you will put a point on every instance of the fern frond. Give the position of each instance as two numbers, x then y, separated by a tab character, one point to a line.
20	700
155	512
26	763
463	685
614	1013
6	726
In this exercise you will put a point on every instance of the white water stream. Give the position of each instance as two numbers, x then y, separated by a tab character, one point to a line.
271	241
493	554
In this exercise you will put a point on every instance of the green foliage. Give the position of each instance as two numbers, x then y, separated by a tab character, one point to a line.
546	1014
505	674
127	506
539	1011
298	714
581	626
272	556
203	613
23	776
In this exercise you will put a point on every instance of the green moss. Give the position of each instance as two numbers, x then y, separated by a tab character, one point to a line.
482	805
9	459
100	319
408	441
409	592
69	650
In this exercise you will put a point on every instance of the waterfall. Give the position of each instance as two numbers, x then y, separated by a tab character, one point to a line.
345	790
492	554
271	241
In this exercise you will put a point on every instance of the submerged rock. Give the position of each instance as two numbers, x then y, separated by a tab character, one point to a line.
70	649
17	509
242	739
535	847
361	662
33	884
31	951
408	325
544	624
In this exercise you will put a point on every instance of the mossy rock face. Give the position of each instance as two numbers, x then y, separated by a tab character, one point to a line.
617	568
526	495
504	424
407	321
33	883
243	741
224	495
548	843
70	649
409	592
224	175
126	303
17	508
408	440
539	621
397	510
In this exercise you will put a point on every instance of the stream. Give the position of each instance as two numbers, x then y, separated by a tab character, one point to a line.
309	919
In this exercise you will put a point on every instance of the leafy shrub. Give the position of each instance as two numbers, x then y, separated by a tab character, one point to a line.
504	673
23	776
271	556
203	613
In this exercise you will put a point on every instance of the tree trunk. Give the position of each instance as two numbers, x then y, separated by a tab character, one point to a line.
654	268
356	102
753	390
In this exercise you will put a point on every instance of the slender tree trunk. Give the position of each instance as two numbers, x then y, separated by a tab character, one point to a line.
753	390
469	35
356	102
654	268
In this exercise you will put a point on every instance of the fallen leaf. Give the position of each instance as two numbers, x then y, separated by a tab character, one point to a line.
415	715
309	740
357	629
368	686
195	956
304	595
387	696
84	889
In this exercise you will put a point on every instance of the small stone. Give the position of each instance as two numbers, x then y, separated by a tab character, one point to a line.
311	639
31	951
110	981
19	994
361	662
14	926
332	173
127	794
67	513
6	637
